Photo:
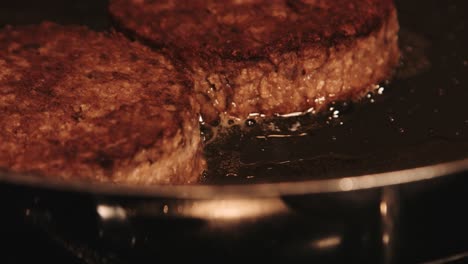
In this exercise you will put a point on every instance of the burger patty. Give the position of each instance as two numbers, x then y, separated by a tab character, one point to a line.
76	103
270	57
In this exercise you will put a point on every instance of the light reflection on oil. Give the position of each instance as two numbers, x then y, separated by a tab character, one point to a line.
386	239
383	208
108	212
233	209
327	242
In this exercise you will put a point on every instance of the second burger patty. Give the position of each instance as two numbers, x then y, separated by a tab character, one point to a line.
270	57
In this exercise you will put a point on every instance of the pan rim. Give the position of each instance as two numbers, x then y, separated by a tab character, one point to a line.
259	190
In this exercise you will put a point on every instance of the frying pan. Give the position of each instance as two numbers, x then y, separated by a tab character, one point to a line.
384	182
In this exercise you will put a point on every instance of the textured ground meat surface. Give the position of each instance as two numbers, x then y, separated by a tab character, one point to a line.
270	57
76	103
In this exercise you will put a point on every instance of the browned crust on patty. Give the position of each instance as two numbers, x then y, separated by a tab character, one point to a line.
249	29
76	103
252	55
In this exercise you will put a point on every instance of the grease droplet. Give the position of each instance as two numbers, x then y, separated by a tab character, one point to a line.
250	122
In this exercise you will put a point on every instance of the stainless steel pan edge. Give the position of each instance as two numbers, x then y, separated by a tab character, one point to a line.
337	185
